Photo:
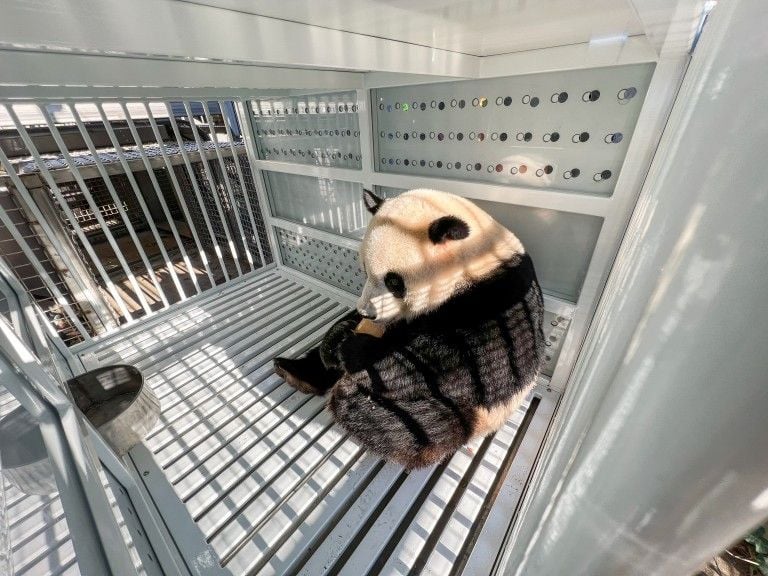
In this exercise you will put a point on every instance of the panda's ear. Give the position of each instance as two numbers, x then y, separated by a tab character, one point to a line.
448	228
371	201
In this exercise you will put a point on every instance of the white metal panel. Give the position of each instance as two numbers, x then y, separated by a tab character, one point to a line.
151	28
670	389
478	27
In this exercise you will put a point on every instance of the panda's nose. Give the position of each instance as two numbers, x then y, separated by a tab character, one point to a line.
367	314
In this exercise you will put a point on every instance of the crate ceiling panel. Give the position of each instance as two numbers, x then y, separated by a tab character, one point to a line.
480	27
563	130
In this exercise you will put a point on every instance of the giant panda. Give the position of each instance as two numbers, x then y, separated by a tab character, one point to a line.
447	337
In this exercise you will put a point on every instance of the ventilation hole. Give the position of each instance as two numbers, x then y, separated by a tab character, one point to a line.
591	95
626	93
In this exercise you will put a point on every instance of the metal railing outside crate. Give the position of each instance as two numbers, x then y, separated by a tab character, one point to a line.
112	211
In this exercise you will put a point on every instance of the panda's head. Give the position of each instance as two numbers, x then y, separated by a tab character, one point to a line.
424	247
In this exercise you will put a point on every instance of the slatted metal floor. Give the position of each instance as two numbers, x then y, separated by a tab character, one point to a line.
257	472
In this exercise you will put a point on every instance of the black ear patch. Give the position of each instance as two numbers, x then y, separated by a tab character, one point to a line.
395	284
448	228
371	201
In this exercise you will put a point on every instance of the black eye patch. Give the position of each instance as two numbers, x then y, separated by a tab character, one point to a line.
395	284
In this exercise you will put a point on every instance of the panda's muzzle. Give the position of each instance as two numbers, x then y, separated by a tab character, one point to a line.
367	314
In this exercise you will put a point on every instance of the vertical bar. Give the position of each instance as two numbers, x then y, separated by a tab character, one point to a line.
161	199
118	202
111	288
214	188
52	237
136	190
75	171
196	188
230	108
227	183
181	200
97	539
244	116
49	283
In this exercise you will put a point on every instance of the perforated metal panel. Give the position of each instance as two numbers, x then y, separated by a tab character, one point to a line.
333	264
562	130
319	129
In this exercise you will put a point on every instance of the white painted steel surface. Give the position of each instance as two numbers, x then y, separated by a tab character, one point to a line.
656	462
265	478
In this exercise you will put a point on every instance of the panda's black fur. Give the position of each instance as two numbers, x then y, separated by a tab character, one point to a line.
415	395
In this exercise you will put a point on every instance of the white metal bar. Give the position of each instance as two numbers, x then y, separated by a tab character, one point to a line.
245	116
117	200
246	194
51	235
214	191
136	189
95	210
180	412
199	330
182	202
40	75
198	195
111	288
192	303
49	283
187	317
96	536
227	184
163	204
565	201
364	121
293	539
194	319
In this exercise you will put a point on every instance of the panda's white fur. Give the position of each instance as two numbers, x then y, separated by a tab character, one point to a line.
397	241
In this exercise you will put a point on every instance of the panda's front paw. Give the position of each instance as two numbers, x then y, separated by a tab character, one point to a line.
359	351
